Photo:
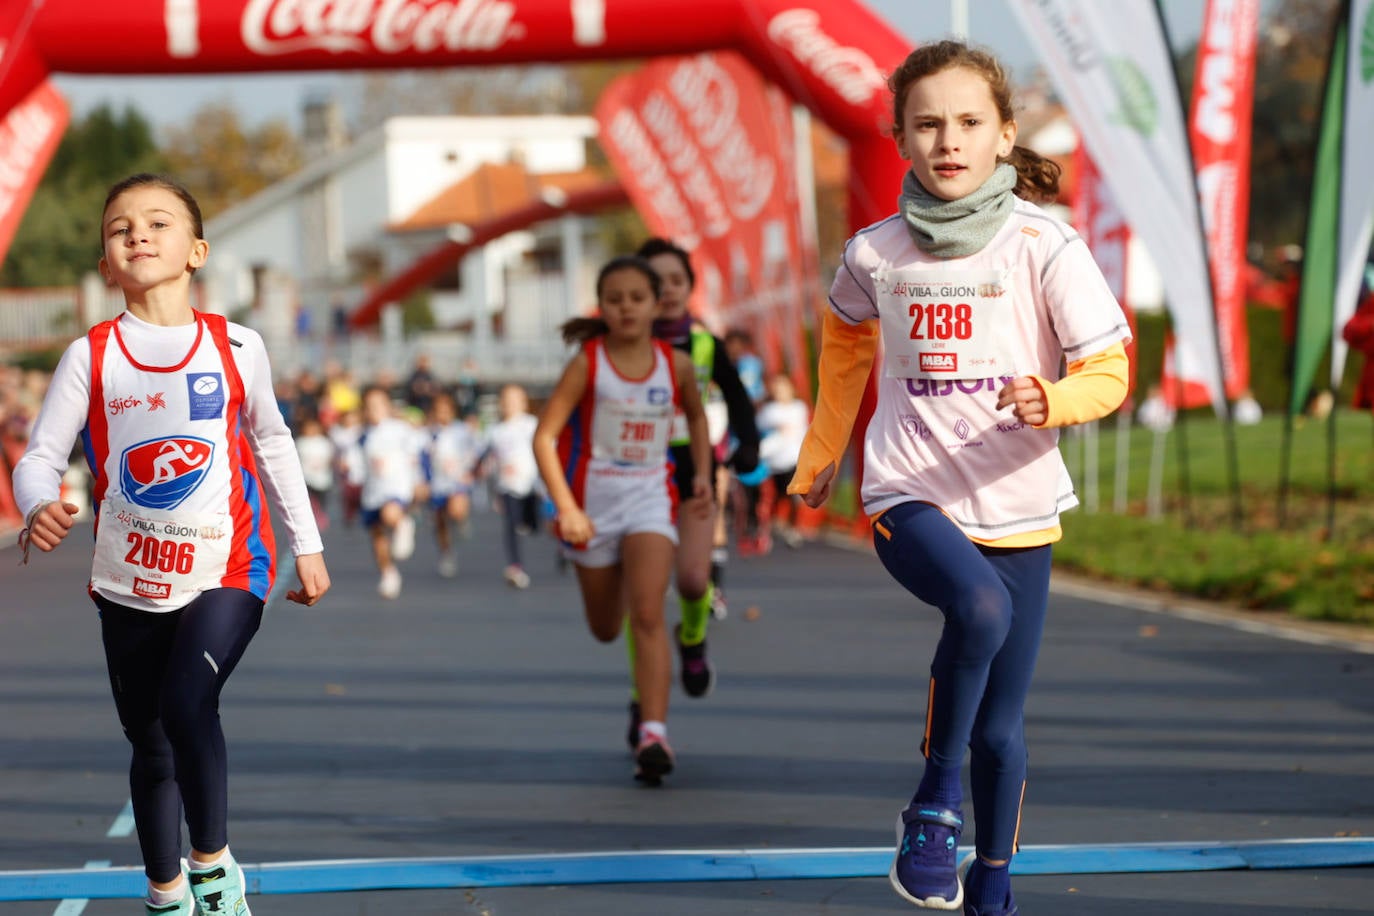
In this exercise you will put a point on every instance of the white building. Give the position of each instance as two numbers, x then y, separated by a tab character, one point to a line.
304	253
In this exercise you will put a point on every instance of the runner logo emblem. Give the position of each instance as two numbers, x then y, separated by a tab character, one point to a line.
161	473
939	362
206	390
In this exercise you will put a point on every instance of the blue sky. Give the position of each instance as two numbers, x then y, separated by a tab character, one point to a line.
261	97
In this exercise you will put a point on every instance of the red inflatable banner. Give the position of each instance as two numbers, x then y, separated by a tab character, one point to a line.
29	134
830	54
1219	130
705	150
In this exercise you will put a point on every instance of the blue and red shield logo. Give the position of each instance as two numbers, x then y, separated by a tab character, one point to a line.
161	473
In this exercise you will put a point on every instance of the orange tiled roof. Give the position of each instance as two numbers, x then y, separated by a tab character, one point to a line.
492	190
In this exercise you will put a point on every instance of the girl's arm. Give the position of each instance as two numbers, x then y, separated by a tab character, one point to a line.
279	468
1094	387
739	407
696	423
573	524
38	474
846	361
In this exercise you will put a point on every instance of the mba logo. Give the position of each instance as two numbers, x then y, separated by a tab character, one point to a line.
161	473
939	362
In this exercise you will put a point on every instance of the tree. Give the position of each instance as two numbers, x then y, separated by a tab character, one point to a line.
222	163
58	240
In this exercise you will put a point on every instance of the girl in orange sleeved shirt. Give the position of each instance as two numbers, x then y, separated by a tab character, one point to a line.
980	297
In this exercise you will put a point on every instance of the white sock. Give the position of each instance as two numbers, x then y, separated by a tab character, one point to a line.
201	865
655	728
162	898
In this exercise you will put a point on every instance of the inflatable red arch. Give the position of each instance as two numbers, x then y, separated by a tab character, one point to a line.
830	55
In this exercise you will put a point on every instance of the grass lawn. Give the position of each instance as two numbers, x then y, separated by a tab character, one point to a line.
1196	545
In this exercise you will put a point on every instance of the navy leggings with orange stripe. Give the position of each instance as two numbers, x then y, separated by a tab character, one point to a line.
166	671
993	601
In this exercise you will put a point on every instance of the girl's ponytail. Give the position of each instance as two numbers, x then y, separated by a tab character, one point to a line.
1037	178
581	330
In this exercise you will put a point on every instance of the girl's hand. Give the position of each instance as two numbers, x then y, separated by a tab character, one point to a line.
701	495
820	487
50	524
314	579
574	526
1026	399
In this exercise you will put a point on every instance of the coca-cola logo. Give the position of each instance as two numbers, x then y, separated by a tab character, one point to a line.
849	71
710	101
387	26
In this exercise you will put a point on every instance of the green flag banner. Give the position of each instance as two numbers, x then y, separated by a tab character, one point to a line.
1317	292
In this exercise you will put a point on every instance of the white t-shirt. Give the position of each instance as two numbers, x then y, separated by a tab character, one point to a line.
511	443
386	463
1033	293
783	427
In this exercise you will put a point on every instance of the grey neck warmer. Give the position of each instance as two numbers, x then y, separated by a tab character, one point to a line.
957	228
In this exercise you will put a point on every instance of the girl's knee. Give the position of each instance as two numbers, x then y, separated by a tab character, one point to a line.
982	617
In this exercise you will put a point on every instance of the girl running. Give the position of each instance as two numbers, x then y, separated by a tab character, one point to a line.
697	520
511	451
979	295
176	411
602	449
385	464
448	462
782	423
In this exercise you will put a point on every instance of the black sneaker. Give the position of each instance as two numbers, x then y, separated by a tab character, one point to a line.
698	677
632	736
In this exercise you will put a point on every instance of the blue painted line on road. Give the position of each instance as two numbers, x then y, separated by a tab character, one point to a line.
336	875
124	822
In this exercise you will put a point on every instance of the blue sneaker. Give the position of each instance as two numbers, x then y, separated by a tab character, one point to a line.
924	870
219	891
1007	907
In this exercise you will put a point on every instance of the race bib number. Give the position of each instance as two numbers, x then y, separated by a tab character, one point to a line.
944	324
159	556
631	434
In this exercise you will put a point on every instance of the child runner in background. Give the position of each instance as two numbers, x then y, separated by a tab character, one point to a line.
316	453
602	448
696	519
386	465
782	423
177	413
510	449
449	460
344	432
980	296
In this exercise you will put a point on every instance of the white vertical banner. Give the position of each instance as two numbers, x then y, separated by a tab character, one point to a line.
1356	229
1113	67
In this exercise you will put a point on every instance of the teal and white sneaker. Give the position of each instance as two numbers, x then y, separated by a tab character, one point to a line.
186	906
219	891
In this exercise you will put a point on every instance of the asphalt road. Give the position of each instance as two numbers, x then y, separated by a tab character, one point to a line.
471	719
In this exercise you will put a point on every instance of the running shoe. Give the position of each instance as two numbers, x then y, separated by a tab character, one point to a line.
516	576
925	868
219	890
1006	908
698	677
389	585
719	609
403	538
636	719
186	906
653	759
448	565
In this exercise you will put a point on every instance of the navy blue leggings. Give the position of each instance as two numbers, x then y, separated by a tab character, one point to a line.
167	670
993	601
